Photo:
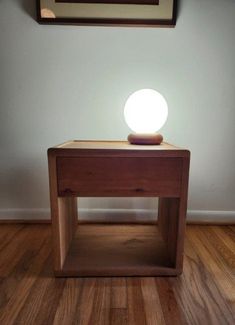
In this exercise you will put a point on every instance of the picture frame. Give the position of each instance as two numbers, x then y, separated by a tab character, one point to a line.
149	13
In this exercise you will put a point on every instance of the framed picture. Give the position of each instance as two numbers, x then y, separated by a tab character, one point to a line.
156	13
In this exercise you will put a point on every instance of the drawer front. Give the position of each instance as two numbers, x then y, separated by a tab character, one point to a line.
119	176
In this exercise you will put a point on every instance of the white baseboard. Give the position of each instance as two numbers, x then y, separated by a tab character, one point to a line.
118	215
210	217
24	214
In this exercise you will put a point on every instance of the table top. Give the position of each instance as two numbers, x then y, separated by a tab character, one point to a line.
117	148
114	145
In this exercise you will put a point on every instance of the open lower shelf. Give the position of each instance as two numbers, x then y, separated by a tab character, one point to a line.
117	250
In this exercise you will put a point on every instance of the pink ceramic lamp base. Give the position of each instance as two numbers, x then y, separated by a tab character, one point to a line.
145	139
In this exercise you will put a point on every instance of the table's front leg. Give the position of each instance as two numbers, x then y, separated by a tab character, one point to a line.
171	223
63	216
64	224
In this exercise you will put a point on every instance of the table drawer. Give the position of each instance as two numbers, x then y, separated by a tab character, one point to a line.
119	176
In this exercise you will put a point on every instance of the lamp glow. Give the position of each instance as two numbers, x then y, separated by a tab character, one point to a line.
145	112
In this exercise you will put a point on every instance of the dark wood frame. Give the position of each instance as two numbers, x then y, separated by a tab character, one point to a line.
134	2
144	22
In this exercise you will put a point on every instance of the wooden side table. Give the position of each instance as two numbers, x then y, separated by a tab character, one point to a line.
118	169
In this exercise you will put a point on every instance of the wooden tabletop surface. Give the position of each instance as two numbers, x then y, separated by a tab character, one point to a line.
114	145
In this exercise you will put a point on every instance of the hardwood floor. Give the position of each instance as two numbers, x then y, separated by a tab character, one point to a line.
30	294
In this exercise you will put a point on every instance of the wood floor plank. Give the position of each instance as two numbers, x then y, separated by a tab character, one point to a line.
211	246
228	232
13	276
101	304
68	309
18	298
227	237
23	241
119	316
212	261
118	293
198	294
226	255
173	314
8	233
86	302
9	285
152	305
232	228
49	304
28	312
135	302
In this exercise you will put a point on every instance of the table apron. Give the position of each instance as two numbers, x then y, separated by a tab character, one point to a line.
119	176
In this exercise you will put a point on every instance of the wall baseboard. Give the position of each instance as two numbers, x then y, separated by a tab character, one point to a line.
117	216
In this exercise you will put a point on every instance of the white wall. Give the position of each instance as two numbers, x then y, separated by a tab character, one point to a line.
68	82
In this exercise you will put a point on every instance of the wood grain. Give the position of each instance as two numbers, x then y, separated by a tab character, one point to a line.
69	302
119	316
152	304
101	304
136	308
9	233
105	250
112	145
171	308
63	216
203	294
198	293
116	149
86	302
107	176
118	293
17	286
219	265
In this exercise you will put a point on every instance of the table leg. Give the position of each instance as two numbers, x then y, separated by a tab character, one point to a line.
64	224
63	216
171	223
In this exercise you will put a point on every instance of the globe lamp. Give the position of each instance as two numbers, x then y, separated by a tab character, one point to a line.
145	113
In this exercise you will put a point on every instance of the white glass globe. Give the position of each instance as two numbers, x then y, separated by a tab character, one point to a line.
145	111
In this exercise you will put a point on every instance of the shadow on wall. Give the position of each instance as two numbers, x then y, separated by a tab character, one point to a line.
29	6
179	7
